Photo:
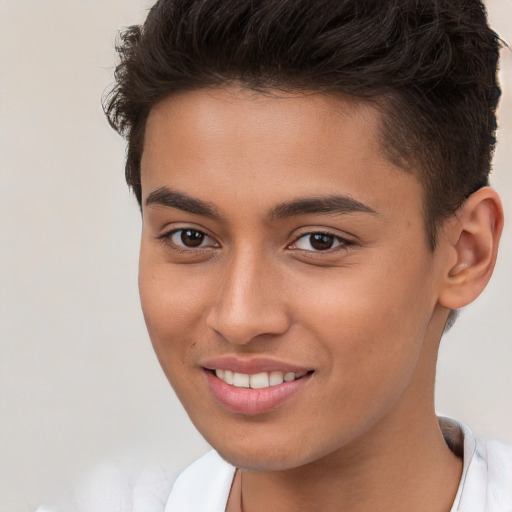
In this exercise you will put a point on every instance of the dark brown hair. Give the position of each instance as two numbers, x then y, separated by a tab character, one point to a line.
430	66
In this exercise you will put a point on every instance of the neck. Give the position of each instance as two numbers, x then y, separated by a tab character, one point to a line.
416	472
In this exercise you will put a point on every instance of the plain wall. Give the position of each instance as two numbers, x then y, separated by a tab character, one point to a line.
79	383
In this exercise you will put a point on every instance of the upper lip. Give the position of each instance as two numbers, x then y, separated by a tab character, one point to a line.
252	365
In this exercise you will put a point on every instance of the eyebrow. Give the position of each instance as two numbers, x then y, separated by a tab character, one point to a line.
164	196
335	204
332	204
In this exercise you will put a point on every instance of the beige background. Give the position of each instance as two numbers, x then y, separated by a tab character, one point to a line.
79	383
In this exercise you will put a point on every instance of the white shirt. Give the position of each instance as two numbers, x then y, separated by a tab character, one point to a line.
485	484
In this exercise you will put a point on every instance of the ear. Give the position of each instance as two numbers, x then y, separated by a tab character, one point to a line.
473	237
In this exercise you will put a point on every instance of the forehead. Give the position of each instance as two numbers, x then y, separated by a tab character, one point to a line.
273	119
269	144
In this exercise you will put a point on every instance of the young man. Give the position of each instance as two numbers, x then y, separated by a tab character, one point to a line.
313	180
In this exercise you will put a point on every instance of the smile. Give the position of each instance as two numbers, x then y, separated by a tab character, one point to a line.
258	380
256	387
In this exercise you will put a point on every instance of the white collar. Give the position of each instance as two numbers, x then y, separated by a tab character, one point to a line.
485	484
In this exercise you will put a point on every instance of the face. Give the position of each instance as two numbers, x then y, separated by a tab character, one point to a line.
285	276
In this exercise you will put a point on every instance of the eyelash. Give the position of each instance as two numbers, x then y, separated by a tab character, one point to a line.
342	243
322	237
167	238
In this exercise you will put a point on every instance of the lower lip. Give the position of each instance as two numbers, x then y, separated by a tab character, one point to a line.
253	401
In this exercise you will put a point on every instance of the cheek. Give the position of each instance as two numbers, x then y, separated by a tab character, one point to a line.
372	324
171	307
171	314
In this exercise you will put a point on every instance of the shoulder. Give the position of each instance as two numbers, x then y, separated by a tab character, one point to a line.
115	488
486	480
204	485
498	460
487	476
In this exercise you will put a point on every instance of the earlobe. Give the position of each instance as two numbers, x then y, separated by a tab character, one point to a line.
474	238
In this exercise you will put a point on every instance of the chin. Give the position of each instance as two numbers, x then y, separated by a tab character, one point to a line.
261	460
269	454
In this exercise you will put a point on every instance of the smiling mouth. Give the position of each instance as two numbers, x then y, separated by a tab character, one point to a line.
258	380
258	391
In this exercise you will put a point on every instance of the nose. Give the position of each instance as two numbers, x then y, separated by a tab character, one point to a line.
248	304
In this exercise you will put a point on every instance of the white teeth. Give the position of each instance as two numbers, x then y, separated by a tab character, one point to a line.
241	380
228	376
276	378
257	380
288	377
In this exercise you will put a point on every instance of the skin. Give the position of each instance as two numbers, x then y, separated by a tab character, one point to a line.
365	316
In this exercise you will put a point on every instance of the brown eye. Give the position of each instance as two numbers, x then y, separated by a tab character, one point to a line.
315	242
320	241
190	238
